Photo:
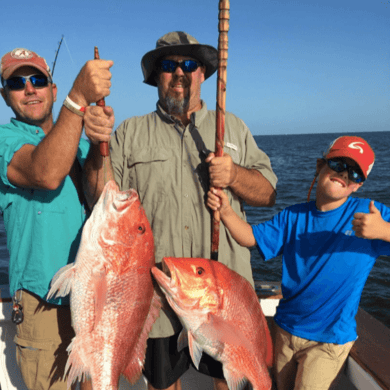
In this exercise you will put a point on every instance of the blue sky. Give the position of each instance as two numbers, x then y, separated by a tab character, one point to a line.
302	66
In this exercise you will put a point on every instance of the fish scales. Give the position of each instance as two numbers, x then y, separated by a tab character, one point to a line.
222	316
113	303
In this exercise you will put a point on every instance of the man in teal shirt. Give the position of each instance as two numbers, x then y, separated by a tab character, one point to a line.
42	202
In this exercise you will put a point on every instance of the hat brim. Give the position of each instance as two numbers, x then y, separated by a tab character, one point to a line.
205	54
8	72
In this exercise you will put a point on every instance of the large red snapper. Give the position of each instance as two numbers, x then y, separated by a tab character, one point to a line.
113	303
221	315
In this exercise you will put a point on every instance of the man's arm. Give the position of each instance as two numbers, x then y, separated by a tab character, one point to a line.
249	184
46	165
99	122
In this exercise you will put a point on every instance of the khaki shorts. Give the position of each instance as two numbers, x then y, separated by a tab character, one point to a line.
41	342
302	364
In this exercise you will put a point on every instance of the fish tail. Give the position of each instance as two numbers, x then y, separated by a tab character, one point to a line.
234	379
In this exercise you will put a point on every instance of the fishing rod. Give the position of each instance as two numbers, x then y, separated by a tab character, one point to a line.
55	59
223	28
104	151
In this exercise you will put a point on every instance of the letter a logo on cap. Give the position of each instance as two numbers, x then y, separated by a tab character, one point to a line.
354	145
21	54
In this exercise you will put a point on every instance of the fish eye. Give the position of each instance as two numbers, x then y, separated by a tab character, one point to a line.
141	229
200	271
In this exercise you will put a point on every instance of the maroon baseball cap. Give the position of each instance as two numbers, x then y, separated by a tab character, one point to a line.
22	57
355	148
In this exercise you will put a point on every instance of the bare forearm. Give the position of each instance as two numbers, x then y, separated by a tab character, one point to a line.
251	186
46	165
96	172
240	230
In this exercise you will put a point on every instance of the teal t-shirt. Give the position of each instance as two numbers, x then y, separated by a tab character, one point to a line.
43	227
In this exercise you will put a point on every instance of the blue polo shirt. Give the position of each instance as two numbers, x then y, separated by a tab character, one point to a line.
43	227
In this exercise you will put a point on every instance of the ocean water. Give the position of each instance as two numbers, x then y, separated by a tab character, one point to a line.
293	159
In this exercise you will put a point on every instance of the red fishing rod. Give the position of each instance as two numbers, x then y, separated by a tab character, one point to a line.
223	28
103	146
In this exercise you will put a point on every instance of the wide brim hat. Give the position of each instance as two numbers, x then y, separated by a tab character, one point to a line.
355	148
19	57
178	43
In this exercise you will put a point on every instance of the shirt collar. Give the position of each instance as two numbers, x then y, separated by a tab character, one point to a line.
27	127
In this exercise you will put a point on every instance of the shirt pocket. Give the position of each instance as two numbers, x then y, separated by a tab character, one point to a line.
150	171
233	150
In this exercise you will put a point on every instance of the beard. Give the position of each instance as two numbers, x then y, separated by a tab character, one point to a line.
176	106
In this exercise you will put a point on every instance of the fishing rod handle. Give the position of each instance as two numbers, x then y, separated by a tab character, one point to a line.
103	147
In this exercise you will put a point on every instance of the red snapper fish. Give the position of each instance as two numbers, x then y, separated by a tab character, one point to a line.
113	303
221	315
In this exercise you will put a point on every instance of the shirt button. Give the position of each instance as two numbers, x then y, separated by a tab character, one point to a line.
186	195
39	212
36	131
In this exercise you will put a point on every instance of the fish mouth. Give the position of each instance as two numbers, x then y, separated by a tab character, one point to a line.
164	281
171	286
120	200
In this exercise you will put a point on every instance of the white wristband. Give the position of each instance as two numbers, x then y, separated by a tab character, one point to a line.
72	106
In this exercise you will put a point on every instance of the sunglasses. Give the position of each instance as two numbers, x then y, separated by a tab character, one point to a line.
354	174
18	83
187	66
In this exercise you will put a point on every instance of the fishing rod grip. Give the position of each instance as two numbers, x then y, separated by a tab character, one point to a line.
104	150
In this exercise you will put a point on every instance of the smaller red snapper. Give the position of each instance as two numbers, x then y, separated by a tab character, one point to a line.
221	315
112	299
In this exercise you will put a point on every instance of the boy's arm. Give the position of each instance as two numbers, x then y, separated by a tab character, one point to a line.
371	225
240	230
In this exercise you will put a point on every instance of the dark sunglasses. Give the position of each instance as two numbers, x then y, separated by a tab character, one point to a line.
354	174
18	83
187	66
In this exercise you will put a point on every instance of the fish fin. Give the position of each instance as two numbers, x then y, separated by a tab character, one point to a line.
234	381
134	368
182	341
195	350
100	284
61	283
223	332
75	366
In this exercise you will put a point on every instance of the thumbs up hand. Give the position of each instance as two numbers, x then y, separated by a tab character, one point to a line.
371	225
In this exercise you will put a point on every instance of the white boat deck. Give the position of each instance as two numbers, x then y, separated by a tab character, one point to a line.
355	376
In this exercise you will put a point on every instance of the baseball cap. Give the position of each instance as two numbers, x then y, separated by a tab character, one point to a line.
22	57
356	148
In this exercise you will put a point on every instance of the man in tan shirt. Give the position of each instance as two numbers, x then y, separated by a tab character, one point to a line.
166	156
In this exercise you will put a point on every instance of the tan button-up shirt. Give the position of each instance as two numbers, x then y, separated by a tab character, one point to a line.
164	161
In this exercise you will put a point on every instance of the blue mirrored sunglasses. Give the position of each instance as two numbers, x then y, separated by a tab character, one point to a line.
340	166
18	83
187	66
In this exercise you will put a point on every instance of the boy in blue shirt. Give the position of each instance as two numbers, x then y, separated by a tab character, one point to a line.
329	247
